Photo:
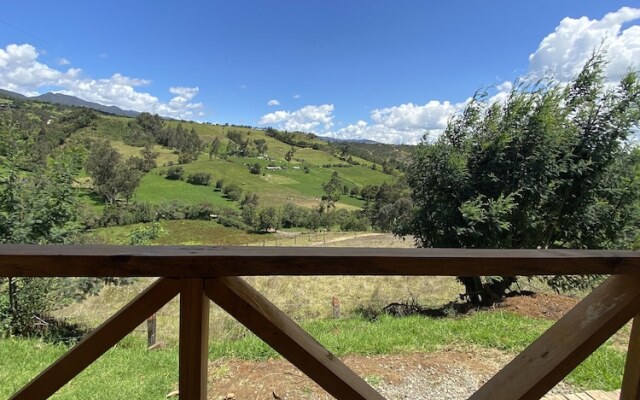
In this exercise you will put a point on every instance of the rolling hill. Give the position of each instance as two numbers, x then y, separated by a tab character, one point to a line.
66	100
299	180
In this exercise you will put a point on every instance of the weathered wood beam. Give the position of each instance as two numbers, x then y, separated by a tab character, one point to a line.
566	344
194	340
204	262
99	341
264	319
631	380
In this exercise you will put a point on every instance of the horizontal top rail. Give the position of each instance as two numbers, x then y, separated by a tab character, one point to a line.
204	262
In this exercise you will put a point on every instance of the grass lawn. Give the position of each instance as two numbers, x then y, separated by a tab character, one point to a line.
131	372
156	189
127	371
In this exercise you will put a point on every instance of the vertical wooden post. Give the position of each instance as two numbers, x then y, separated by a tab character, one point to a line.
335	304
631	380
194	340
151	330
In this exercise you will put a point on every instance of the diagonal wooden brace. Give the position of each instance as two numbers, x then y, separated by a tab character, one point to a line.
566	344
264	319
100	340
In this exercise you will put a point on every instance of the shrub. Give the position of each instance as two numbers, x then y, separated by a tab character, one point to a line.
232	192
202	211
231	222
172	210
175	173
255	169
199	178
354	223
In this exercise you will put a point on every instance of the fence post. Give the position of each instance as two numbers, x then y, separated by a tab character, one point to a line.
335	304
194	340
151	330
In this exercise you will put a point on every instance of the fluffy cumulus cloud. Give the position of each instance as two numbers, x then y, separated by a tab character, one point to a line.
20	71
565	50
306	119
273	102
562	53
407	123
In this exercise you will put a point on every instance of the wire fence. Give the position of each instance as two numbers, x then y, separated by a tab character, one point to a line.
318	238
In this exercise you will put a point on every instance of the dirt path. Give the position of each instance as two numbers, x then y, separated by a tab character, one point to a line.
342	239
447	375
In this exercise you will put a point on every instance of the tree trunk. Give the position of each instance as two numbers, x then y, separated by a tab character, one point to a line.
486	294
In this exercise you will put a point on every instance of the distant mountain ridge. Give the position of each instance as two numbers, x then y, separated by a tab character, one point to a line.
66	100
336	140
12	95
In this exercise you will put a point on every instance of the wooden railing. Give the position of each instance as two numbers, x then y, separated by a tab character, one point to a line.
201	274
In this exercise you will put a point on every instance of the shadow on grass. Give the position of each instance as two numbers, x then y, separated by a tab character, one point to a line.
412	308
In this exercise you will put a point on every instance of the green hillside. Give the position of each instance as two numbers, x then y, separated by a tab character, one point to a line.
293	168
293	183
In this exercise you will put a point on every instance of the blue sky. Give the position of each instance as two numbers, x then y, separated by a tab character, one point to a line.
387	70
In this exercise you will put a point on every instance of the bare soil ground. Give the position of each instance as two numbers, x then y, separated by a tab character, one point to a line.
539	305
448	375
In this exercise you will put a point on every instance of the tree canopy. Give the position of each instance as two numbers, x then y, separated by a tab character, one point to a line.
552	166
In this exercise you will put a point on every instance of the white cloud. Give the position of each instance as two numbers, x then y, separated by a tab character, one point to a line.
273	102
562	52
20	71
63	61
565	50
406	123
296	96
307	119
380	133
432	115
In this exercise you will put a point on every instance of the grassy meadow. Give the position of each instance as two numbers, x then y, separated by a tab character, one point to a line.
291	184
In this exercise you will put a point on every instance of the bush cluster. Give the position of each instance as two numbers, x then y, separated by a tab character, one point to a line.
199	178
128	214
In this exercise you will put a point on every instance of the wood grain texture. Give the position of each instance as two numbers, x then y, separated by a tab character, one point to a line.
99	341
631	380
194	340
600	395
264	319
203	262
566	344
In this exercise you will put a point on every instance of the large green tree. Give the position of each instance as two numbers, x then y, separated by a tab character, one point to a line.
552	166
37	205
112	178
